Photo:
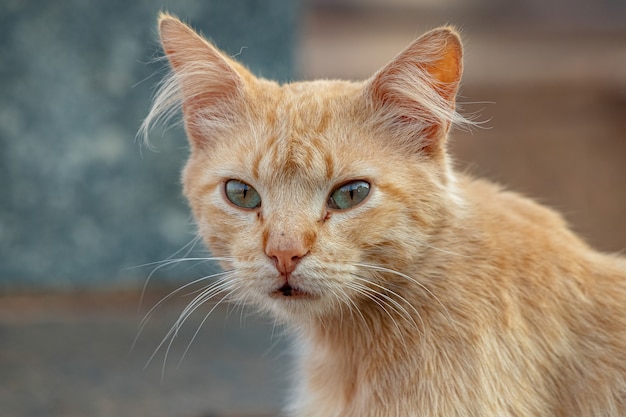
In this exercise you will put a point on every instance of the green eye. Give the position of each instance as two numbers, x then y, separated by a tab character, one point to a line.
242	195
348	195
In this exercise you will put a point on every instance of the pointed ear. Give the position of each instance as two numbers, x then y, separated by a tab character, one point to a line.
414	95
210	85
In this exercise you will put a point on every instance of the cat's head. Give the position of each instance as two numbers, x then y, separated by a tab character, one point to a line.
309	192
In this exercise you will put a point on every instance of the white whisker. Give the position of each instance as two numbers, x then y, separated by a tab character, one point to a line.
445	251
173	333
212	290
218	287
413	280
371	295
353	307
337	300
398	307
168	262
198	329
190	245
147	316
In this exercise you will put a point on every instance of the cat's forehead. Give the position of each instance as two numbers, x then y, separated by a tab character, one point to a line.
322	88
307	136
310	106
303	128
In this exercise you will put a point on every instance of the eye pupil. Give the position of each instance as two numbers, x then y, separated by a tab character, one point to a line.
348	195
242	195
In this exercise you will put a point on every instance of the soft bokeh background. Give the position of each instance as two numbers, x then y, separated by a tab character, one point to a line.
80	201
82	205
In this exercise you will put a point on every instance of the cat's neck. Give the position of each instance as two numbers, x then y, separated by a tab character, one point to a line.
352	363
401	320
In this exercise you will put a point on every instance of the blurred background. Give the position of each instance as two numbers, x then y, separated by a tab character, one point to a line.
84	210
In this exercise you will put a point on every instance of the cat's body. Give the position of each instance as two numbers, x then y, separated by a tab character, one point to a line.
528	328
411	290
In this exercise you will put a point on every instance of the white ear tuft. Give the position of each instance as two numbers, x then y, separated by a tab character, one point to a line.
414	95
204	82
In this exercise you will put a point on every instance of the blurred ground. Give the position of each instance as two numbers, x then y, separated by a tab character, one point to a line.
72	355
554	95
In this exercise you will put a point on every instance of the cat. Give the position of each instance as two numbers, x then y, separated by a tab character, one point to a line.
410	289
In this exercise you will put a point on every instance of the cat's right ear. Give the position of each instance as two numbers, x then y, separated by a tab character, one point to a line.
413	96
208	85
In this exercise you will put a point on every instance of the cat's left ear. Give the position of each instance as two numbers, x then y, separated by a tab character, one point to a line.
210	85
414	95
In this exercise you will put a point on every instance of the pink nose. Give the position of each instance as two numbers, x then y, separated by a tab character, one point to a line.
286	257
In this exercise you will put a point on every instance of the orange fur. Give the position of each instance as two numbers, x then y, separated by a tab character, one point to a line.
439	294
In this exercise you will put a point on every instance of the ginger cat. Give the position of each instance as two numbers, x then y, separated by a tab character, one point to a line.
412	290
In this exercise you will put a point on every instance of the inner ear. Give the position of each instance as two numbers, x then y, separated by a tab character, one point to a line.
209	86
414	95
445	72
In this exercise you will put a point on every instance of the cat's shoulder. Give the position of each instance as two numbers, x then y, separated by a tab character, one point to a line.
524	232
495	201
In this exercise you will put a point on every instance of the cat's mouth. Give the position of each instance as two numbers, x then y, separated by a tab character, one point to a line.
290	291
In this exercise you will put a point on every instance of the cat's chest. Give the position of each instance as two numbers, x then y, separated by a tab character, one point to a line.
335	385
374	382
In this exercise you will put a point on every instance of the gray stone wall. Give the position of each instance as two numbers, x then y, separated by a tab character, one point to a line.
80	202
